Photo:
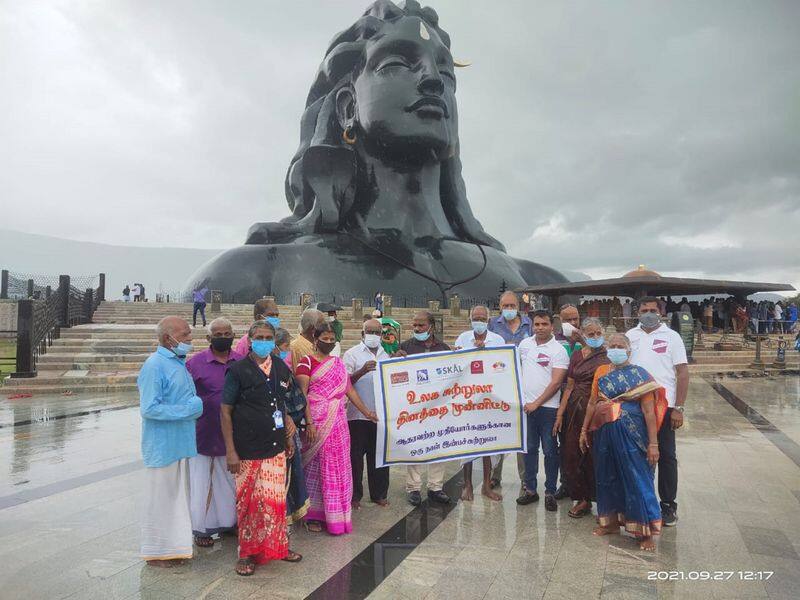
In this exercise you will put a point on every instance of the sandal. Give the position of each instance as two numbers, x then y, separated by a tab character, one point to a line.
313	526
203	541
577	514
292	557
245	567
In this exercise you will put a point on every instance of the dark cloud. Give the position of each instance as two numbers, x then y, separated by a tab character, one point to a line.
595	136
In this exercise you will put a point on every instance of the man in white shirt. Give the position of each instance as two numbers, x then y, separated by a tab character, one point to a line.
479	337
360	362
544	365
660	351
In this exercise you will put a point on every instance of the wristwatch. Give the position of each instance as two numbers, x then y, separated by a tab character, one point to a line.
678	408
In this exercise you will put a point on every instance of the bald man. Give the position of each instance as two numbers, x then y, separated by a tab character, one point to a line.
169	406
360	362
303	344
513	327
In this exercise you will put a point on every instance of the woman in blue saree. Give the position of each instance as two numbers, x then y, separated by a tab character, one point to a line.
623	415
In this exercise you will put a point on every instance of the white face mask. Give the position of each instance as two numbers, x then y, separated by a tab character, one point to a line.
567	329
330	319
372	340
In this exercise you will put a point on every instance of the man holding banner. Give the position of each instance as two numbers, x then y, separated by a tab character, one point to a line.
479	337
424	340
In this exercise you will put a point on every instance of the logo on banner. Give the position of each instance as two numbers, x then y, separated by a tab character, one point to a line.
543	360
422	376
476	367
399	378
499	366
448	371
660	346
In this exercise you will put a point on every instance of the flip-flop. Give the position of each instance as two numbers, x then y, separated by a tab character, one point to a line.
577	514
248	567
203	541
292	557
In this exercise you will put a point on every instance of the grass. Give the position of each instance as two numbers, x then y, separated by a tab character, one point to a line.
8	357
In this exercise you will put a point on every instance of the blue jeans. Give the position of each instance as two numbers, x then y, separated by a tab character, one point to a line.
540	429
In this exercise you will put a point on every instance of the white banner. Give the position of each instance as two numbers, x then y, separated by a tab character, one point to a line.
448	405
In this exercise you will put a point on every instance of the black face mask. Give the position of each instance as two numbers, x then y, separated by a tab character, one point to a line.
221	344
325	347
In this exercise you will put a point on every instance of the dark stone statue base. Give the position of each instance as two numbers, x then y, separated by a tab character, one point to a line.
340	267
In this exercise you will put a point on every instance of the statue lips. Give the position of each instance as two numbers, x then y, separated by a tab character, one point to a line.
430	105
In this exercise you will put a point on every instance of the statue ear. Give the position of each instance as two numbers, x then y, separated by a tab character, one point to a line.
345	106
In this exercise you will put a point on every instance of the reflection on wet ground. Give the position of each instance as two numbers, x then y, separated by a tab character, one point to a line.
70	493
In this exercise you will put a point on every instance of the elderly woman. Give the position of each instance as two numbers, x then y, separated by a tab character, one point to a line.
625	410
577	466
258	437
326	445
296	494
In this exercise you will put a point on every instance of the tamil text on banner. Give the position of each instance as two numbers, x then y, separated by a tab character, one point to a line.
448	405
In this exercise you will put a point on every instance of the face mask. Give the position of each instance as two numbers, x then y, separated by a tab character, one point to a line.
617	356
262	348
274	321
372	340
567	329
283	354
650	320
182	349
325	347
221	344
509	314
330	319
421	337
479	327
595	342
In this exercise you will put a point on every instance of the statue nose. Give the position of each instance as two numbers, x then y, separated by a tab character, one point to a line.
431	85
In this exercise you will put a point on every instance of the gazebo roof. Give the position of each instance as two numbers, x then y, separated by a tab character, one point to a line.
643	282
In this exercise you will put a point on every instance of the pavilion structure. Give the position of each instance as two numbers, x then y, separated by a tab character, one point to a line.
644	282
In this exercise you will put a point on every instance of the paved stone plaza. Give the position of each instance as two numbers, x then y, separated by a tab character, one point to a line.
70	492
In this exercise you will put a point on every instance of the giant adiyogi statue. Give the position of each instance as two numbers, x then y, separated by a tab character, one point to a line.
375	188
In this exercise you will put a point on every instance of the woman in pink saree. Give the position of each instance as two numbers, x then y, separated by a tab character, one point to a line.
326	443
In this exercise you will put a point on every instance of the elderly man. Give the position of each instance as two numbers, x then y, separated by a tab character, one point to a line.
212	490
570	335
360	362
424	340
264	309
660	351
479	336
544	366
169	406
303	344
513	328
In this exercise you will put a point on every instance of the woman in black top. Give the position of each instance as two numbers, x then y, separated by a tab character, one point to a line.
258	440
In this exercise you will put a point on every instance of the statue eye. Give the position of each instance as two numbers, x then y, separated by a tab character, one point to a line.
393	62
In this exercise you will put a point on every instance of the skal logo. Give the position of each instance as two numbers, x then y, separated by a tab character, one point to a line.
448	371
399	378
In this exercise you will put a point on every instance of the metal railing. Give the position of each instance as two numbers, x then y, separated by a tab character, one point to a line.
40	317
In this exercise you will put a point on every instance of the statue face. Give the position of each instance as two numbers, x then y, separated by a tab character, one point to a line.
405	94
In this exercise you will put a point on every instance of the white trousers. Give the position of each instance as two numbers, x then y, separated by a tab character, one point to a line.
212	495
435	477
166	525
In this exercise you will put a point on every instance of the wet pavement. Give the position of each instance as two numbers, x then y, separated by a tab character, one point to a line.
70	495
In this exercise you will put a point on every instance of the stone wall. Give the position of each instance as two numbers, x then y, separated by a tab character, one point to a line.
8	316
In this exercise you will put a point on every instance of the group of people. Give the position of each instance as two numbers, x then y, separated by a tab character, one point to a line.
252	435
136	293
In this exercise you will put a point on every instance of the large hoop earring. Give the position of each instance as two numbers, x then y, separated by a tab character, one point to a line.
348	135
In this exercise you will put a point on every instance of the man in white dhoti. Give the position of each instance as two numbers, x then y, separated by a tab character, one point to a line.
169	406
479	337
212	489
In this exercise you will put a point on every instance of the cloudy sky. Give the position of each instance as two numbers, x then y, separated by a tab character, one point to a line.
595	135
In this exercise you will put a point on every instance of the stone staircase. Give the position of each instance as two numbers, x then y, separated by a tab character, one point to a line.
105	356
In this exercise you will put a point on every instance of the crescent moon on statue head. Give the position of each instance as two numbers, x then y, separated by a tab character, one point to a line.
461	63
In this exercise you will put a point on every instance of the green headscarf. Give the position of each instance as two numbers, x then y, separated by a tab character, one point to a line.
390	335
